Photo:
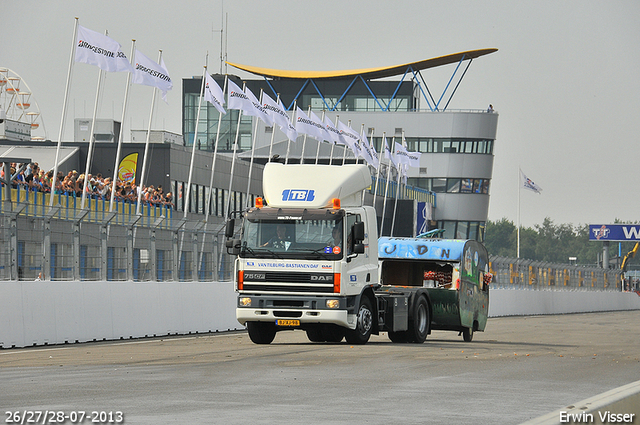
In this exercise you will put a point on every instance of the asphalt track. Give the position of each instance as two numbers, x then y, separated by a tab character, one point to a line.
518	369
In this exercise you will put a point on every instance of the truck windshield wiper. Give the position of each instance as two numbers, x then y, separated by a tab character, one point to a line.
245	248
321	253
258	252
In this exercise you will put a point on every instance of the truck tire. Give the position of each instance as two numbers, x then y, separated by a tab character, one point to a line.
398	337
332	333
261	332
361	334
420	321
315	335
467	334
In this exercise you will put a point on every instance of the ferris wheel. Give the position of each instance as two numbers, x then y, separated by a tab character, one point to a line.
18	103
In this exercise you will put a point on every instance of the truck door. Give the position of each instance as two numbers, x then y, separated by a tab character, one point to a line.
358	270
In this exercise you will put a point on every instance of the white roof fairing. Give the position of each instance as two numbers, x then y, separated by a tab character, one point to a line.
314	185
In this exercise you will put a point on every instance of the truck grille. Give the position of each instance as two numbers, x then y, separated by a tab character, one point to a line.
288	282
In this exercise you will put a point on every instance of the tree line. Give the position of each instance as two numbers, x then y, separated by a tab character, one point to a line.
551	242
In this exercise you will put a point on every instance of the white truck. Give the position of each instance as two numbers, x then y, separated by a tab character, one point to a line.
308	260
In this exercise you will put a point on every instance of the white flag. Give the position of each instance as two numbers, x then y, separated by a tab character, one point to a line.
213	93
276	110
291	132
150	73
403	156
259	110
388	154
527	183
368	152
246	101
350	137
334	133
309	125
238	99
102	51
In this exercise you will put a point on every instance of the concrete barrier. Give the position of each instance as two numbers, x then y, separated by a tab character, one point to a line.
525	302
40	313
620	405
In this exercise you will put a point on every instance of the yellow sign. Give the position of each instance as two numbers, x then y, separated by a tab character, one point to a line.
127	168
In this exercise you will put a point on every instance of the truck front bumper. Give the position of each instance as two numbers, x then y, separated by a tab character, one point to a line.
308	310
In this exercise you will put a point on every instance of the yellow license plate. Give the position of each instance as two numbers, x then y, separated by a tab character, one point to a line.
287	322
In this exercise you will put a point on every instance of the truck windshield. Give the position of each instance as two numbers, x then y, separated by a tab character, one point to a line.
293	234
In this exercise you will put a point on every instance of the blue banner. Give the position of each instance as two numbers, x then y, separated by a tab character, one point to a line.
614	232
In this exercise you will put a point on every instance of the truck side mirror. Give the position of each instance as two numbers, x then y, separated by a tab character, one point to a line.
358	232
229	230
358	248
233	246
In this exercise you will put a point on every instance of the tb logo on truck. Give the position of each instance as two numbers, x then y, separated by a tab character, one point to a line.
298	195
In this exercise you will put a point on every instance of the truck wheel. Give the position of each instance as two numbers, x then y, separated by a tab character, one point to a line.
398	337
261	332
467	334
332	333
315	335
419	325
364	326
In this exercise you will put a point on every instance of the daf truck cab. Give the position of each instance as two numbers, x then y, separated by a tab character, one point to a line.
307	256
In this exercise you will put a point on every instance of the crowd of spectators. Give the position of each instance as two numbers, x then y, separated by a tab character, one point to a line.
32	177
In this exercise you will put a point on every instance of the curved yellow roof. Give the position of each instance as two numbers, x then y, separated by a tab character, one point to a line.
367	73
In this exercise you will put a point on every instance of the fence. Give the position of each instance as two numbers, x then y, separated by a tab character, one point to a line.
67	243
544	275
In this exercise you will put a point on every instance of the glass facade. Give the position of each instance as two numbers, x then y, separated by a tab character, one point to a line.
452	185
462	229
334	95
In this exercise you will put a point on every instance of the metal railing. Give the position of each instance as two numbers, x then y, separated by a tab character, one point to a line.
512	272
66	243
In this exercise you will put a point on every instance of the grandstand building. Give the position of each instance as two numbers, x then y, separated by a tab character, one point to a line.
450	188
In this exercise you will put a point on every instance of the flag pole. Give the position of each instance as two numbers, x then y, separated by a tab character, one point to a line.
195	137
395	205
375	191
304	140
344	154
386	189
293	120
124	113
64	112
253	149
91	139
334	143
518	216
233	159
146	145
215	154
319	141
273	133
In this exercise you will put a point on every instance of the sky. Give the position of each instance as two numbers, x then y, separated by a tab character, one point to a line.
564	79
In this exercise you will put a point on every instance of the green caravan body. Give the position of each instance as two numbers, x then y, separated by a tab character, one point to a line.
455	273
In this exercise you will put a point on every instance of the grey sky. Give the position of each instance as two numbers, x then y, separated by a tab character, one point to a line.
565	78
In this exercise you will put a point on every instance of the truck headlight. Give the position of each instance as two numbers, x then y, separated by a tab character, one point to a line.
333	303
245	302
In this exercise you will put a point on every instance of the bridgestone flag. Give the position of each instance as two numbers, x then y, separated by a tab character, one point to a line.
334	133
104	52
276	111
350	137
246	101
213	93
388	154
311	126
368	152
149	73
260	110
412	159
